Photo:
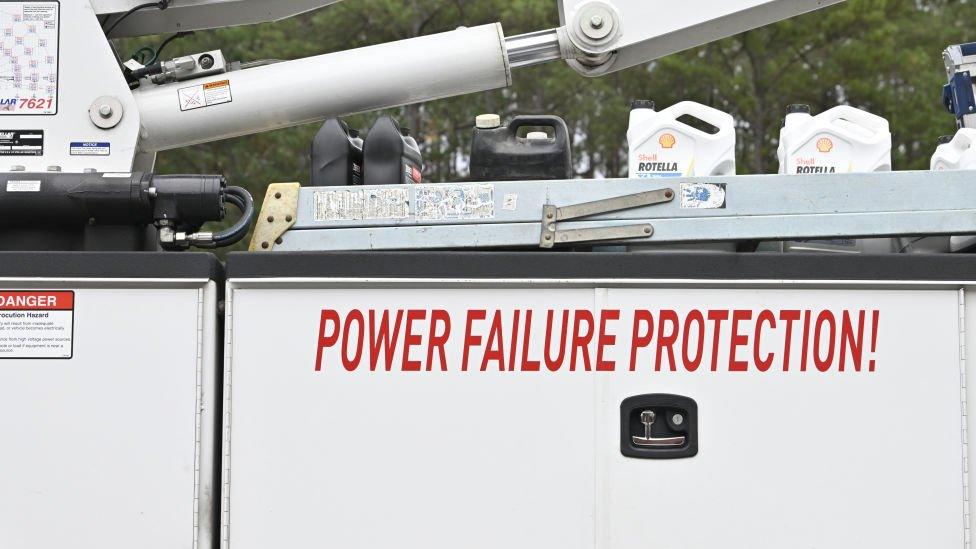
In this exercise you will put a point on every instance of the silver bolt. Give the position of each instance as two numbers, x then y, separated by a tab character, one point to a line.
677	419
90	170
596	21
105	111
18	168
54	168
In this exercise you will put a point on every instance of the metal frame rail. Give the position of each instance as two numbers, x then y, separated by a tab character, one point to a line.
548	214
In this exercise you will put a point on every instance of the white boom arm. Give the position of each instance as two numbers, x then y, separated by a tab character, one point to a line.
616	34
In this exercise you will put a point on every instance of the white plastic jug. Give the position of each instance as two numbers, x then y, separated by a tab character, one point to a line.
841	140
956	152
660	145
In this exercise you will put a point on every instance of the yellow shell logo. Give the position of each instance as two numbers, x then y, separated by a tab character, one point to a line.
825	145
667	141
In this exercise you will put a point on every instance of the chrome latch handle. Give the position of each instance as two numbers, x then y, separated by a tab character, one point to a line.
647	417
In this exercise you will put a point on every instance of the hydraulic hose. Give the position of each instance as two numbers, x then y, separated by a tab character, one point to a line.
242	200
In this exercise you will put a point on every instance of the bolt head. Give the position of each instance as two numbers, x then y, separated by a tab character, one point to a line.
105	111
596	21
677	419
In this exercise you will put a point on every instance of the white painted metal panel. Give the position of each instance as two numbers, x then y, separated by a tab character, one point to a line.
532	459
113	448
791	459
399	460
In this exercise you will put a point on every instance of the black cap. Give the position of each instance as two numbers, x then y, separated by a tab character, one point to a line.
797	108
642	104
943	139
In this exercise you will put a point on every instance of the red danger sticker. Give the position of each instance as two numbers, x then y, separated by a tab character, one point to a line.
36	324
54	301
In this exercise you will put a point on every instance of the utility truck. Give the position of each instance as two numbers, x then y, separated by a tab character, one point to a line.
391	381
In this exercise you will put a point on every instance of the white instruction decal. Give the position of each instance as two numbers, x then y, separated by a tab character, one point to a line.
706	196
36	324
23	186
361	204
205	95
511	202
435	202
29	71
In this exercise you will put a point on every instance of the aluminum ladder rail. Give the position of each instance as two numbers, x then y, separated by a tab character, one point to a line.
545	214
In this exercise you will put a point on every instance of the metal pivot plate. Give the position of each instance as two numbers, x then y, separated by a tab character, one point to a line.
595	25
105	112
278	214
551	215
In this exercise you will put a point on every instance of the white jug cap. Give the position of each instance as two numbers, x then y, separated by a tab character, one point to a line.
487	121
537	135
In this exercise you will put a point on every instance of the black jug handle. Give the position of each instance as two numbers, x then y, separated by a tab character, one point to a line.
561	133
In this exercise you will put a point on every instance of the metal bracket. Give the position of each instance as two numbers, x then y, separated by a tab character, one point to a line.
278	214
551	235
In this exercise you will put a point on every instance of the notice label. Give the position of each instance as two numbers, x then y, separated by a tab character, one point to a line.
205	95
36	324
23	186
90	148
388	202
21	142
436	202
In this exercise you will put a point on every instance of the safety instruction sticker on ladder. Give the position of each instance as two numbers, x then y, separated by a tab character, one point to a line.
36	324
205	95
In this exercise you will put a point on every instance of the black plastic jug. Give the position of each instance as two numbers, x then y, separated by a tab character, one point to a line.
337	156
388	158
499	154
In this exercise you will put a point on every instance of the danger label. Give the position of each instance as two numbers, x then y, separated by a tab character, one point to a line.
205	95
36	324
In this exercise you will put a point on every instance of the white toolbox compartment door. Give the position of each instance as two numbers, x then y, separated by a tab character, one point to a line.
349	457
105	449
798	458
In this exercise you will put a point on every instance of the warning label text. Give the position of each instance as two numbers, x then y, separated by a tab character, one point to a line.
36	324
